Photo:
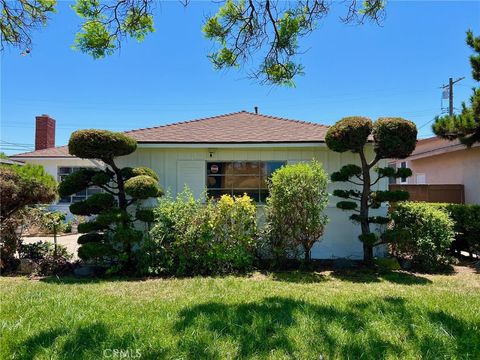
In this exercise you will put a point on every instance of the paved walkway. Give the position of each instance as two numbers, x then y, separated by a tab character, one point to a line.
69	241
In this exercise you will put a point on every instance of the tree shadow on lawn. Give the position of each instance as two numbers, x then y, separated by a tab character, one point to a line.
269	327
88	341
360	275
372	276
351	275
297	276
274	326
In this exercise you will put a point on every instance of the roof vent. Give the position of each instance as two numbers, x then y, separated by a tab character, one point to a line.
256	109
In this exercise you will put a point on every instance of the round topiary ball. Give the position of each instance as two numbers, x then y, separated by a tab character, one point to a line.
145	215
94	250
142	187
395	138
75	182
129	172
349	134
100	144
90	237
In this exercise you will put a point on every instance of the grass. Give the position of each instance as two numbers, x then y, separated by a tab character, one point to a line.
263	316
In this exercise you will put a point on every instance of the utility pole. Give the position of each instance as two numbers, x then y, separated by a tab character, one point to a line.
451	82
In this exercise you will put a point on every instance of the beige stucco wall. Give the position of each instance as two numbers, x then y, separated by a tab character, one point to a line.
341	235
458	167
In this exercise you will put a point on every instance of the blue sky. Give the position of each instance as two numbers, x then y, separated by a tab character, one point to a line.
392	70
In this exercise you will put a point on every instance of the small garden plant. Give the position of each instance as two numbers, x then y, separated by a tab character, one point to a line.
197	236
295	208
109	237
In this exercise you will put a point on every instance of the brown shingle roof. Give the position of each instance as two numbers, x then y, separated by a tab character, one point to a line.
59	151
241	127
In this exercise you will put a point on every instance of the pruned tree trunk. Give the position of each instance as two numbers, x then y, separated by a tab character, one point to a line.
364	223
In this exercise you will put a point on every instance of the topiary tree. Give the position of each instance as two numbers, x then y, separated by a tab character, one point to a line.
110	234
392	138
20	186
294	213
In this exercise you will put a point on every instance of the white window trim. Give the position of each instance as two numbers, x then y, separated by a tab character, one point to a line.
424	176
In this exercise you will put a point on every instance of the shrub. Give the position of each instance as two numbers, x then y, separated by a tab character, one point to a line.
55	265
20	187
423	232
191	237
294	211
235	230
466	220
38	250
180	237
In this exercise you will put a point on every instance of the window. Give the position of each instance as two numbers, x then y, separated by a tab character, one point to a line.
421	179
403	165
239	177
63	172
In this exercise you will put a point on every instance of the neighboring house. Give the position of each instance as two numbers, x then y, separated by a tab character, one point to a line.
9	162
227	154
439	161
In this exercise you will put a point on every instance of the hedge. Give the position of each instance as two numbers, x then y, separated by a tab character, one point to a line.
466	220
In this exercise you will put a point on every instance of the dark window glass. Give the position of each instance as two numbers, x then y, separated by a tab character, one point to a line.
240	177
403	165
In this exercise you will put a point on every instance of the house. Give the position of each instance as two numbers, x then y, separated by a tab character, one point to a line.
227	154
437	161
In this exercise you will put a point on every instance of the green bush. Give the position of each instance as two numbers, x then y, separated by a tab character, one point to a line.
235	230
422	232
39	250
191	237
295	208
143	187
466	220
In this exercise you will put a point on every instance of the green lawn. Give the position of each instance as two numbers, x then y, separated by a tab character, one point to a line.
274	316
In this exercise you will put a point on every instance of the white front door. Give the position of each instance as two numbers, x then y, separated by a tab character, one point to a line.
191	173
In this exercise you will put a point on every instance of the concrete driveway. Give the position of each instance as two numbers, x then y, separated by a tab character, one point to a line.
69	241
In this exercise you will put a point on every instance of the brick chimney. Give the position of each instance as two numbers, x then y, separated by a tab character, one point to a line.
44	132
